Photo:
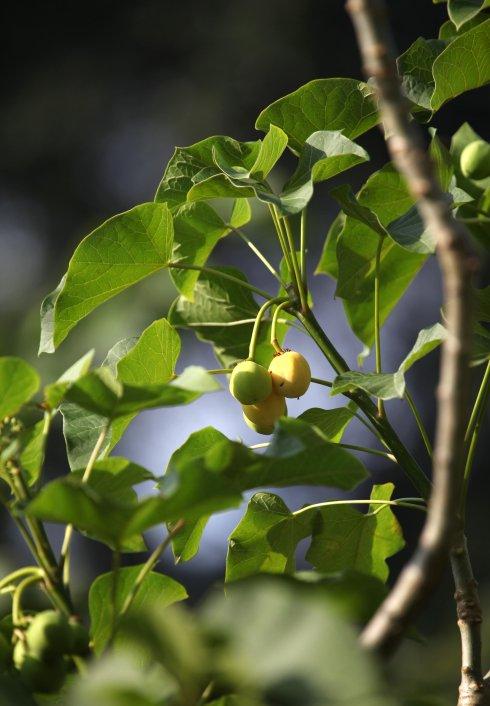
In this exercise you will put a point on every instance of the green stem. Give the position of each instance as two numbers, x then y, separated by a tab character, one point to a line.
223	275
382	426
401	502
353	447
220	371
319	381
274	341
258	320
294	257
420	423
17	597
148	566
302	246
19	574
480	402
259	254
65	548
377	326
473	432
282	240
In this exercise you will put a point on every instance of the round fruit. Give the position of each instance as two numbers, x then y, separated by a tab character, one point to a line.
79	638
250	382
475	160
43	677
261	417
291	374
49	635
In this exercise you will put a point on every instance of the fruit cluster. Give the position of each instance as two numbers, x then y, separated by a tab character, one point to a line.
475	160
41	654
262	393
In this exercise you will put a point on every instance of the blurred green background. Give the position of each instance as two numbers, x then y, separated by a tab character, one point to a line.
95	96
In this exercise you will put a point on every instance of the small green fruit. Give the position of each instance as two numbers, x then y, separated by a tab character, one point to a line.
49	635
261	417
79	638
291	374
475	160
250	382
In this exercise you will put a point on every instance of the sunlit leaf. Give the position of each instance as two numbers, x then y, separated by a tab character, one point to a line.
122	251
323	104
385	386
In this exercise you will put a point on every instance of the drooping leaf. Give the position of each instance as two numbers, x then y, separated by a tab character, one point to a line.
223	314
327	264
156	588
325	154
122	251
18	383
241	213
32	442
385	386
191	165
449	32
462	66
344	538
427	340
323	104
415	69
386	195
461	11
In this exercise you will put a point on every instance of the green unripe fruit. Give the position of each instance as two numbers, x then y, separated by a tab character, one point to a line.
79	638
42	677
261	417
250	382
291	374
475	160
49	635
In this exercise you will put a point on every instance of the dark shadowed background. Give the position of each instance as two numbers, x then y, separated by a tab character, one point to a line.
95	96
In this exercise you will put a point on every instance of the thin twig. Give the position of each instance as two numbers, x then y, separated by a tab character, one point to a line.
259	254
415	583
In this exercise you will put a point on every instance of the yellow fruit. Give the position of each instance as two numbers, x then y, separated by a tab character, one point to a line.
250	382
475	160
261	417
291	374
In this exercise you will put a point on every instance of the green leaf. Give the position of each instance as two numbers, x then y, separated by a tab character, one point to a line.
32	441
122	251
271	148
344	538
385	386
54	393
324	104
325	154
153	357
427	340
462	66
241	213
449	32
155	589
223	314
265	539
191	165
331	423
461	11
100	393
386	195
415	69
81	430
352	207
197	229
327	265
18	383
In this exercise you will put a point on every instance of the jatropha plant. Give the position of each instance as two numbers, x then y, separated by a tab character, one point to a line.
279	637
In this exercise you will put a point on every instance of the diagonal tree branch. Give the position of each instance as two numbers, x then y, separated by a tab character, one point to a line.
408	152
